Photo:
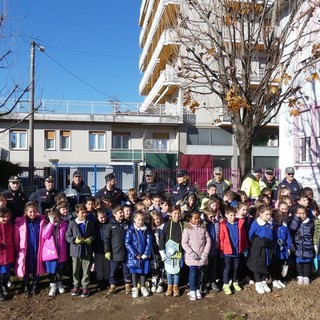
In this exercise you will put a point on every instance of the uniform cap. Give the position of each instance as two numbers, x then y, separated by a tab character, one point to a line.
256	170
49	178
77	173
110	176
269	170
182	173
289	170
14	179
149	172
217	170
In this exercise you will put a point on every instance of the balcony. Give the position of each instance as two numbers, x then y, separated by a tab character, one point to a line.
134	155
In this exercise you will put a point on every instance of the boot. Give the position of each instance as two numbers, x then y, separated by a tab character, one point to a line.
169	290
127	288
176	292
112	289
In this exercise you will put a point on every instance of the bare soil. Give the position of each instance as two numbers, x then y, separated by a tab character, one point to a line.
293	302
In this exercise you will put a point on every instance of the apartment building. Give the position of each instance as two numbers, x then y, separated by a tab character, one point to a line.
161	83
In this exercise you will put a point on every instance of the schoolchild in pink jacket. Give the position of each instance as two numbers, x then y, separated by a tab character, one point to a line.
54	249
27	243
196	243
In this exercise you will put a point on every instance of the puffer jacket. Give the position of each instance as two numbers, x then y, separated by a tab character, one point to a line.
196	243
20	231
303	237
6	243
49	249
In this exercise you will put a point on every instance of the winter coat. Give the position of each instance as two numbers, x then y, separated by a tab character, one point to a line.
295	187
117	195
251	187
114	240
151	188
136	247
282	240
54	247
6	244
213	229
81	250
44	198
16	201
98	244
20	231
196	243
302	232
225	238
77	194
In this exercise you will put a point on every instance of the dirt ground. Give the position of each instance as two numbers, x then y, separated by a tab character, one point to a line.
293	302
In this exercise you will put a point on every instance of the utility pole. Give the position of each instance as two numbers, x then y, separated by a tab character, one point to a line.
31	116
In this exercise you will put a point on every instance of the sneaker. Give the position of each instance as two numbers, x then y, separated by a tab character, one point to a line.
75	291
53	289
306	280
198	295
281	284
127	288
112	289
236	286
248	280
160	289
226	289
135	293
214	287
35	288
192	295
144	292
85	292
61	288
300	280
265	287
260	288
276	285
153	289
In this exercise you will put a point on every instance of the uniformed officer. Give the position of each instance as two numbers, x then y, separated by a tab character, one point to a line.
218	180
150	185
16	199
110	189
44	197
78	191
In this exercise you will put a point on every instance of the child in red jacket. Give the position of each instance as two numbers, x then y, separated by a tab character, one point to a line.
6	250
233	244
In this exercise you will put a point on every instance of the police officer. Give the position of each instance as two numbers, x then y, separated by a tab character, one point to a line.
16	199
150	185
110	189
270	181
78	191
182	189
44	197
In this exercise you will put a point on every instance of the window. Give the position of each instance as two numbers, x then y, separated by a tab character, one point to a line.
49	139
305	149
18	139
65	140
120	140
160	141
96	140
203	136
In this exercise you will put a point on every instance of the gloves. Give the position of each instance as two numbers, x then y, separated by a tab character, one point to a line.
246	253
316	249
163	255
78	241
51	219
144	257
108	255
88	241
203	259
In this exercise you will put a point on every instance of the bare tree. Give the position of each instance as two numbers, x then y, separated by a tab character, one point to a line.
241	53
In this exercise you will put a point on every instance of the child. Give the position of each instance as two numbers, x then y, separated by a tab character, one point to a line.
115	250
3	201
157	263
282	240
63	208
196	243
260	257
233	244
191	205
102	265
80	235
106	204
127	212
284	209
211	190
210	270
156	200
26	242
302	232
170	250
165	209
91	212
138	242
54	249
132	197
6	251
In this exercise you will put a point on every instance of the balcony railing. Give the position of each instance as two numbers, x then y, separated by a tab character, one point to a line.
133	155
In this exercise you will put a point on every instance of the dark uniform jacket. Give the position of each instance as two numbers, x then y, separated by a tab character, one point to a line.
44	198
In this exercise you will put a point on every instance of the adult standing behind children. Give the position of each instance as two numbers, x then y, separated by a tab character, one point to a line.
78	191
218	180
150	185
16	199
291	182
44	197
110	189
269	180
250	184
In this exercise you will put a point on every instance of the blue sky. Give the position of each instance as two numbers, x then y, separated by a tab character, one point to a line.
96	41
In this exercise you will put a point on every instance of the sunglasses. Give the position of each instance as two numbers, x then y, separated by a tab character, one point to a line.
290	174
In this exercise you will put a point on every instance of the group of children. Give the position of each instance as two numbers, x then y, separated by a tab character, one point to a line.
203	242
